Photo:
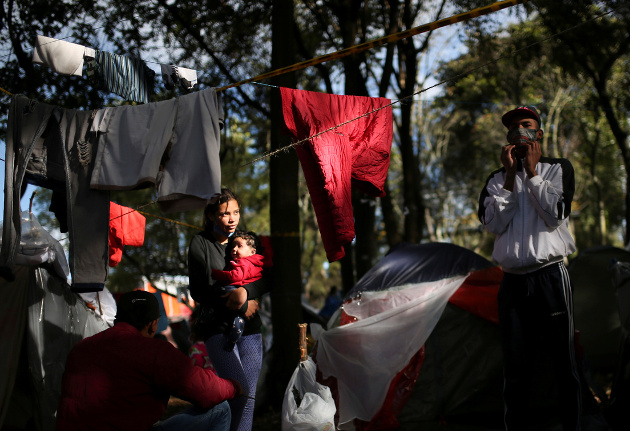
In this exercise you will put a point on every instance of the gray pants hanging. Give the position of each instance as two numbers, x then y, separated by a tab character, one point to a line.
52	147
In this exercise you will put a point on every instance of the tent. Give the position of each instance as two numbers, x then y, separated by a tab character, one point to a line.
41	320
425	312
416	345
620	391
601	282
595	304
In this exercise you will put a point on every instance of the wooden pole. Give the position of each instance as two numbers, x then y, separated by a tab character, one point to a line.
302	342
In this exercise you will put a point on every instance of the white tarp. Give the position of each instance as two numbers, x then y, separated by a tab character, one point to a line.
364	356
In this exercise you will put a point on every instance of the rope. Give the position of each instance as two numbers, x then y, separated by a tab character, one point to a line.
132	210
153	215
485	10
381	41
143	213
453	78
169	220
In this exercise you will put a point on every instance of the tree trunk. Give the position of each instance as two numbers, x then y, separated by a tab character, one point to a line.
365	227
284	217
390	218
363	208
412	186
621	137
347	269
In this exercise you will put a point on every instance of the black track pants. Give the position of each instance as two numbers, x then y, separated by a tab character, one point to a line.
536	316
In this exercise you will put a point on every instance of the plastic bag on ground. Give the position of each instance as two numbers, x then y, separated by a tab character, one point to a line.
307	405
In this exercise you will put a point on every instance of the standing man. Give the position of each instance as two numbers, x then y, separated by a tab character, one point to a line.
122	378
526	204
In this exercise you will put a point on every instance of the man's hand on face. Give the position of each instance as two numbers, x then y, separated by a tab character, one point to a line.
530	152
531	158
508	158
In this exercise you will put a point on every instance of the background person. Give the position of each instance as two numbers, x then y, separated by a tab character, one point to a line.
122	379
331	303
207	251
526	204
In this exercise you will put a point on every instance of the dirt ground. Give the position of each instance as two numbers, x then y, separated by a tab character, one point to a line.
267	421
270	420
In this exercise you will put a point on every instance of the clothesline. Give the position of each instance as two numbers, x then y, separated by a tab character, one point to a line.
451	79
285	70
132	210
404	98
168	219
367	45
381	41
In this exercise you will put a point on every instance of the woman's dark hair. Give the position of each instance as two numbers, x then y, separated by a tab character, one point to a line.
212	207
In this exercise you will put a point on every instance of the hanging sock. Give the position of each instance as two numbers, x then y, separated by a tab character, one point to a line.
188	77
168	75
171	75
90	64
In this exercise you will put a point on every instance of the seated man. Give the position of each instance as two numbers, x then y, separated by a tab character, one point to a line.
122	378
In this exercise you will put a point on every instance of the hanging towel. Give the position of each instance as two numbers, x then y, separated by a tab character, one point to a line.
126	227
128	77
353	155
62	57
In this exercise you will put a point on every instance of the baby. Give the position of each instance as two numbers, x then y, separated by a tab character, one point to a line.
246	267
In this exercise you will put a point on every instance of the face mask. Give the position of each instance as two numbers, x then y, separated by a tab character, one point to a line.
221	232
521	136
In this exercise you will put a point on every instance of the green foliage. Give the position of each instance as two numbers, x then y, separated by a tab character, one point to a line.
22	21
526	72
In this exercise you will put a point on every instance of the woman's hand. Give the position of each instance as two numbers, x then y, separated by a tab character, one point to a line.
252	308
236	298
238	387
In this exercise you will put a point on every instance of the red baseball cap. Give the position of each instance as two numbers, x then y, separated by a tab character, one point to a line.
525	111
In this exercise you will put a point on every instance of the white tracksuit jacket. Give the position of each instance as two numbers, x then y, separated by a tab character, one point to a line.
530	223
